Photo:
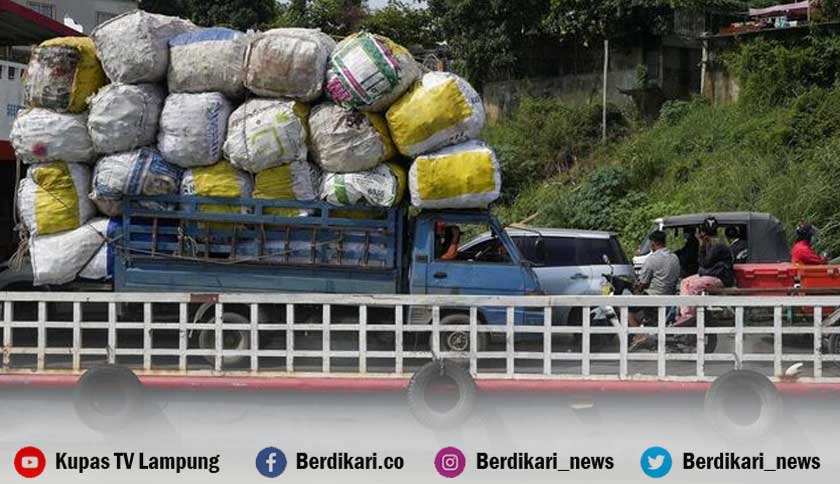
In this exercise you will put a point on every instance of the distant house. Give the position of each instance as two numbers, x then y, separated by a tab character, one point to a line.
87	13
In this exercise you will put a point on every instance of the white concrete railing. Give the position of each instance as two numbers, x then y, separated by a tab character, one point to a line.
59	333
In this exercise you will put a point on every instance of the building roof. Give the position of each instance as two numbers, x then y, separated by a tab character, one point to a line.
22	26
798	8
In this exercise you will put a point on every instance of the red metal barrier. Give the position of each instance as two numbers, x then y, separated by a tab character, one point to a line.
385	385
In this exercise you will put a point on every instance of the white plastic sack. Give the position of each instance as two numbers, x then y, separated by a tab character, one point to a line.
348	141
264	133
63	257
288	63
134	47
125	116
39	136
369	72
382	186
441	110
461	176
53	197
139	172
193	128
208	60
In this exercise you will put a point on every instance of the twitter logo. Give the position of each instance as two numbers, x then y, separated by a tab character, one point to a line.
656	462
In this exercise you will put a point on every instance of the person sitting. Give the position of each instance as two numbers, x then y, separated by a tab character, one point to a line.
447	239
802	252
688	254
737	244
658	277
715	271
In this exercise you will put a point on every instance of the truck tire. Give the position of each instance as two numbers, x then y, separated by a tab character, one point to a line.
459	341
108	398
231	340
421	385
743	405
834	344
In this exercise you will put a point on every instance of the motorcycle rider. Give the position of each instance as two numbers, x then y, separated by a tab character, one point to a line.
659	277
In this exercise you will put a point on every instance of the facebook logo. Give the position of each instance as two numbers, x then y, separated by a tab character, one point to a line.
271	462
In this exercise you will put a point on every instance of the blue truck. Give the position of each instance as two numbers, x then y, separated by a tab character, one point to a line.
208	246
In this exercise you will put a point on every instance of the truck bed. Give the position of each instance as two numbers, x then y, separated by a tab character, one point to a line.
249	245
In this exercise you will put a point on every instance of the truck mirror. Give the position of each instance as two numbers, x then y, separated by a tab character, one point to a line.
605	258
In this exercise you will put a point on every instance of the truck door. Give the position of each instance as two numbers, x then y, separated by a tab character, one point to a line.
495	269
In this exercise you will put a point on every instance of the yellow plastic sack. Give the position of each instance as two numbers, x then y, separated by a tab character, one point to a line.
63	73
439	111
53	198
220	180
294	181
462	176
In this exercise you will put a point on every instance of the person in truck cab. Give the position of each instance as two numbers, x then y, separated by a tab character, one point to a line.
659	277
447	239
802	252
715	269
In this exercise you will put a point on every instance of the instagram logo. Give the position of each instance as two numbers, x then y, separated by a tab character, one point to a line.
30	462
450	462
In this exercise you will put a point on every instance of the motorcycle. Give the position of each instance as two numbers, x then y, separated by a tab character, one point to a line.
608	316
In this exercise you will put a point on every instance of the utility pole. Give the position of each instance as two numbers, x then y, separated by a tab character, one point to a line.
606	86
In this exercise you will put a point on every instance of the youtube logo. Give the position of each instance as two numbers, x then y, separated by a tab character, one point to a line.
30	462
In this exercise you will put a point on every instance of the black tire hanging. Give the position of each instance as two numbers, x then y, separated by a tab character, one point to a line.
108	398
422	381
743	405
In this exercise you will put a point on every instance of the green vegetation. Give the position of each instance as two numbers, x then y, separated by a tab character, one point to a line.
776	150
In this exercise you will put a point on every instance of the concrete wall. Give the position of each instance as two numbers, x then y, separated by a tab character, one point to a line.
503	97
720	86
88	13
674	67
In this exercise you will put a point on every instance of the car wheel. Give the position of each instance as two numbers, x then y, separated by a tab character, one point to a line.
459	341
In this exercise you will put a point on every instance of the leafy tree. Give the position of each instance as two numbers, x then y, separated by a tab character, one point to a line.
587	21
178	8
335	17
237	14
403	24
488	37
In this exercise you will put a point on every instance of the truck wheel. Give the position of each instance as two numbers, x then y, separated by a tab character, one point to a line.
108	398
442	394
231	340
459	341
834	344
743	405
711	343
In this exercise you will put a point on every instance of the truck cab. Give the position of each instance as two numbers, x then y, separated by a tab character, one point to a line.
499	270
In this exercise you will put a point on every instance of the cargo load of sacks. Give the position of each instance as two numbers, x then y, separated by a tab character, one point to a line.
285	114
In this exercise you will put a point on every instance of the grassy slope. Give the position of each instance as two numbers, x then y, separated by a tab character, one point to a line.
781	159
